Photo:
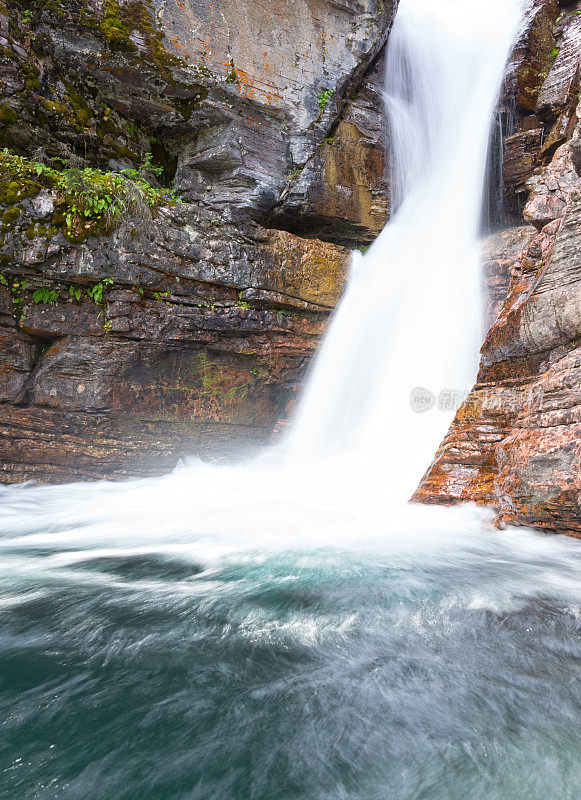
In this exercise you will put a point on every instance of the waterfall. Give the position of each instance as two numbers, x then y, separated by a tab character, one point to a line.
405	338
403	344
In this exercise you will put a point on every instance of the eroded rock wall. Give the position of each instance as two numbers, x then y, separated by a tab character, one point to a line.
540	94
187	330
516	442
172	361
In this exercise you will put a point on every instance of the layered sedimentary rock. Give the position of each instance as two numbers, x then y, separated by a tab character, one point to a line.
342	193
516	442
166	358
540	93
186	330
234	101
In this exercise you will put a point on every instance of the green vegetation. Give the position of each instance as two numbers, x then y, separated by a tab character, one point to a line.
89	200
120	20
232	76
67	113
95	293
240	302
17	288
44	295
48	294
114	30
568	14
294	174
324	97
7	115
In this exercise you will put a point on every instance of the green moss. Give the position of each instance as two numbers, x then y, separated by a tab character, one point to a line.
68	118
11	215
54	107
106	126
232	76
17	190
185	107
125	152
31	74
81	110
114	29
135	15
8	115
52	7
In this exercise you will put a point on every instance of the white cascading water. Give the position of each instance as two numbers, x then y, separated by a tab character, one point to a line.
410	318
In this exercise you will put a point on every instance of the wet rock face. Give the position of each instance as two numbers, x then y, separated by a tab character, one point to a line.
150	345
278	54
232	99
342	193
540	95
516	442
188	332
532	55
292	150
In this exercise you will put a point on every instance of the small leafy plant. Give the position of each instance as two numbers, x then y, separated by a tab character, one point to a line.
95	293
324	97
45	295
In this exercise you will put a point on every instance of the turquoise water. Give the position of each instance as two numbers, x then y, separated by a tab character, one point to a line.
422	667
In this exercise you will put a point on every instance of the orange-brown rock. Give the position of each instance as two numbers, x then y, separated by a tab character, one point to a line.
516	442
200	341
532	56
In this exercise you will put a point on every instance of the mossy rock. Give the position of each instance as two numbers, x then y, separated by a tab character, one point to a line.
10	216
80	108
114	30
8	115
18	189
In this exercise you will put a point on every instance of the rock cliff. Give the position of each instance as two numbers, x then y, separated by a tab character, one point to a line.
516	442
130	342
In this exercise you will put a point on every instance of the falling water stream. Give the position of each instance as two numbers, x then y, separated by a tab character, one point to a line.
291	628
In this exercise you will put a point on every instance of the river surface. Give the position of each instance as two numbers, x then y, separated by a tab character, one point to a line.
425	656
